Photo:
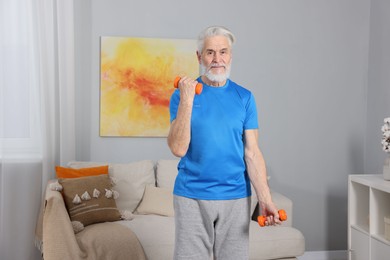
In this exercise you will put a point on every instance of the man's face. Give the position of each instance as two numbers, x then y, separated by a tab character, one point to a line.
215	59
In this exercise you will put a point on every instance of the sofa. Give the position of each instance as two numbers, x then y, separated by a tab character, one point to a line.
139	223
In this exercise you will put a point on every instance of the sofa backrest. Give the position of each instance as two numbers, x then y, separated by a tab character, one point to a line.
132	178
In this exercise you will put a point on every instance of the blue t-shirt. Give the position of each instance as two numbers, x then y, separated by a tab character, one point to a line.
214	167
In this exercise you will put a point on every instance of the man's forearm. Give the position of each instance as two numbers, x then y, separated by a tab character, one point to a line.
180	132
258	176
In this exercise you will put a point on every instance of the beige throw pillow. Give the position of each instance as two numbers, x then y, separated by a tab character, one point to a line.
166	172
90	200
157	201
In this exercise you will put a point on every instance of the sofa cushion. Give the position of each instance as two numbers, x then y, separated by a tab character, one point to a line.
156	200
155	233
274	242
131	179
90	199
63	172
265	243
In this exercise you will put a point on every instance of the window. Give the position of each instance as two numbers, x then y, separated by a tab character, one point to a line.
19	93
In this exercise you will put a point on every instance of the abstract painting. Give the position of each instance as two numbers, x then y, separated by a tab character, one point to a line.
136	83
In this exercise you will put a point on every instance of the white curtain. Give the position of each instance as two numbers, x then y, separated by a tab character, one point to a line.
37	128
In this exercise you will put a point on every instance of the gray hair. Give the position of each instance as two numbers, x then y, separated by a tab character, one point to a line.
215	31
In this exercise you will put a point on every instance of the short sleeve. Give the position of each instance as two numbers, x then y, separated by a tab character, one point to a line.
251	121
174	104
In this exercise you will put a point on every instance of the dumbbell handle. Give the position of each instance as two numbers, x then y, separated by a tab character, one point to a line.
198	88
282	216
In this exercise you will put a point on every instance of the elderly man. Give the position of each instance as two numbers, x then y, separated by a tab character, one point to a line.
216	136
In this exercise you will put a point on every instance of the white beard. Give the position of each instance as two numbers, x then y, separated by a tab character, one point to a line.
214	77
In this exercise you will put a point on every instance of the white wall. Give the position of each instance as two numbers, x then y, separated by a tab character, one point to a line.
306	63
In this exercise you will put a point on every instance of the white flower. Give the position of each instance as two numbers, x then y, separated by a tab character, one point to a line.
386	135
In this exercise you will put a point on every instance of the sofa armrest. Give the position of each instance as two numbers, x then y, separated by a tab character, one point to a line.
281	202
59	240
108	240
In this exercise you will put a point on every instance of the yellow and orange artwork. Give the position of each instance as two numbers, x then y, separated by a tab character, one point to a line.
136	83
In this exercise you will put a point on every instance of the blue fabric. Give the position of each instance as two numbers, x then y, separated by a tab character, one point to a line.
214	166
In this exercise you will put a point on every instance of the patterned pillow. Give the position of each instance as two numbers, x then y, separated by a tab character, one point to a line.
90	199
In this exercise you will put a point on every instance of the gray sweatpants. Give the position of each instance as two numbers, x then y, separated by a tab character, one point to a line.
211	227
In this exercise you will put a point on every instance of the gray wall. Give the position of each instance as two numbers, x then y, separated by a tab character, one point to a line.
306	63
378	94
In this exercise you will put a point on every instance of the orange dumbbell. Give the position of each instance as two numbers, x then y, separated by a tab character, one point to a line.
198	88
282	216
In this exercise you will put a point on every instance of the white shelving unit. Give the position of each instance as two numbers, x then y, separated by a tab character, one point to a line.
368	205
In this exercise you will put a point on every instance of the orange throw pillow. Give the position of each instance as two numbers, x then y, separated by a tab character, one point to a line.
64	173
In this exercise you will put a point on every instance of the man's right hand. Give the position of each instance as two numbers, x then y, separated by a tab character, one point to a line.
187	89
